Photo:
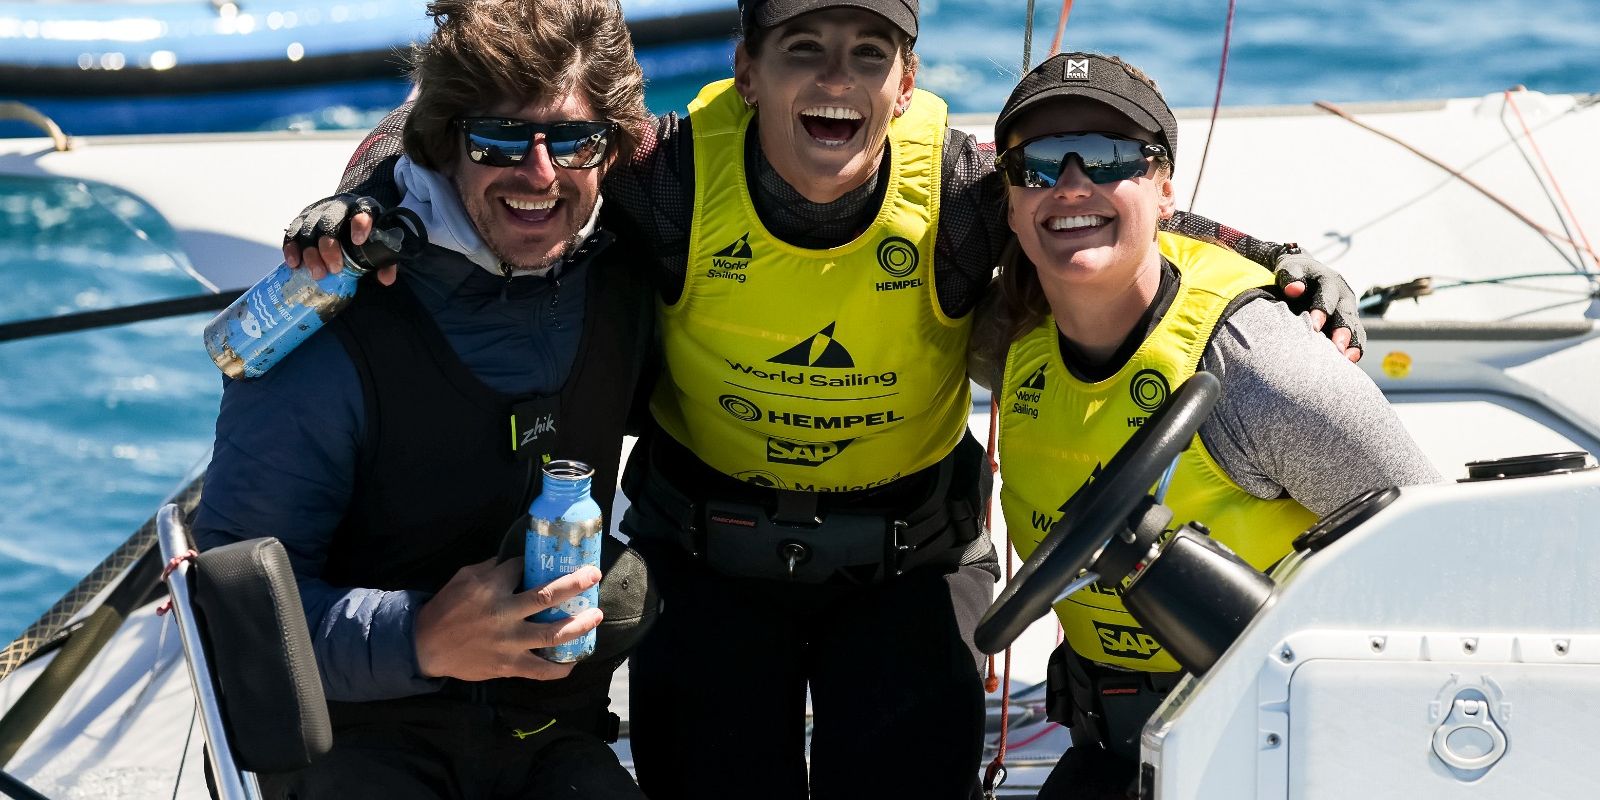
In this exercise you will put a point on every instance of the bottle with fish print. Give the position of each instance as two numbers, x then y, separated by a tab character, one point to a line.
286	307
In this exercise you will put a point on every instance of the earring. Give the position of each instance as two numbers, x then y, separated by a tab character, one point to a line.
748	103
899	111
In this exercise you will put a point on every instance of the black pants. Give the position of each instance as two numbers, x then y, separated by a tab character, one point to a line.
1088	772
719	685
1107	707
437	747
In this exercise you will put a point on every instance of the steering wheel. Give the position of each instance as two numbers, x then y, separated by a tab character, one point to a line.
1098	514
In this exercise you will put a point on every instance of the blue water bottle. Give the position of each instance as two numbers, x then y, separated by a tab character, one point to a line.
564	535
286	307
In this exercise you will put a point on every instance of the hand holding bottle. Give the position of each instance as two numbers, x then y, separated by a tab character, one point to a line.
312	240
477	626
285	308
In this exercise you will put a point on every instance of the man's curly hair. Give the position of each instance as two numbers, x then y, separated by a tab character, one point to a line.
483	52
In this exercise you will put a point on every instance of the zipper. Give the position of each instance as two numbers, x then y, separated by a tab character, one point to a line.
555	299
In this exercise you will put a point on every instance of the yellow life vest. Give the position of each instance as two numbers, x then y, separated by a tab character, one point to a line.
820	370
1056	432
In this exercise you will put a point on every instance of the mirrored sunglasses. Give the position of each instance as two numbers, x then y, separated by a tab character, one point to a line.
504	142
1037	163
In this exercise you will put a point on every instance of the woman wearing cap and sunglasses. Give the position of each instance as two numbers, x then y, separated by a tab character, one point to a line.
1098	316
808	494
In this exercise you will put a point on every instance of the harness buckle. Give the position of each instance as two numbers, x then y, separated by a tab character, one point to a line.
795	553
897	541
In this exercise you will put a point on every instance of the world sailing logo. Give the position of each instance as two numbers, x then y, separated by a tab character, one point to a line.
1026	401
819	351
731	262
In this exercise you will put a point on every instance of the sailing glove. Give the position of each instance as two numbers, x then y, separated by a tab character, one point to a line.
1326	291
329	217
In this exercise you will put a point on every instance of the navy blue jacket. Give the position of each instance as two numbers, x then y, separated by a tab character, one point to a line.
287	449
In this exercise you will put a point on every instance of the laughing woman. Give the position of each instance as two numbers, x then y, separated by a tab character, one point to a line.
1096	303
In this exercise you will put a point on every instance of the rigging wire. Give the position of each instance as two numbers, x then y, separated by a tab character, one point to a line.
183	758
1457	174
1507	279
1554	184
1382	296
1027	43
1575	260
1216	104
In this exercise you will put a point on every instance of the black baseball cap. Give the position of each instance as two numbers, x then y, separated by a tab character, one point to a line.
1097	78
772	13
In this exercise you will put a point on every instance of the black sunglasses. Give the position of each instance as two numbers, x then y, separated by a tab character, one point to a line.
1107	158
504	142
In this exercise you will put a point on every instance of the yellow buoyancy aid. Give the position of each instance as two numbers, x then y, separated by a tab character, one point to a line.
1056	432
820	370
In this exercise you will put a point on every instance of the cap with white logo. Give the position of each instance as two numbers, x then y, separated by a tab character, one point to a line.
1097	78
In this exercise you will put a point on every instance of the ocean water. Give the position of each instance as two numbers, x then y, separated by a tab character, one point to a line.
97	427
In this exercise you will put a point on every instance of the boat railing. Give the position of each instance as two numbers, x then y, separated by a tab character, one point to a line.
23	112
1497	331
232	782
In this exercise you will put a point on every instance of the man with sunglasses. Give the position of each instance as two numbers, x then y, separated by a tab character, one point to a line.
1098	318
377	451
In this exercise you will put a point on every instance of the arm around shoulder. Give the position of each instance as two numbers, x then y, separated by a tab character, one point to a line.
1297	417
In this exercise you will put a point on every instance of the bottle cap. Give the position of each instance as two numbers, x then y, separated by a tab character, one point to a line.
397	234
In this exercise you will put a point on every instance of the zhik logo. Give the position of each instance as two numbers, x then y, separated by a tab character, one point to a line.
819	350
541	426
803	454
1127	642
1077	69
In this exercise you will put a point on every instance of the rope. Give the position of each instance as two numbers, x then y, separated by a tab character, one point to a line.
166	572
1216	104
997	767
1061	26
1040	735
1554	184
1455	173
991	683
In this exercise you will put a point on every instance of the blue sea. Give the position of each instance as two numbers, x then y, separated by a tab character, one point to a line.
97	427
